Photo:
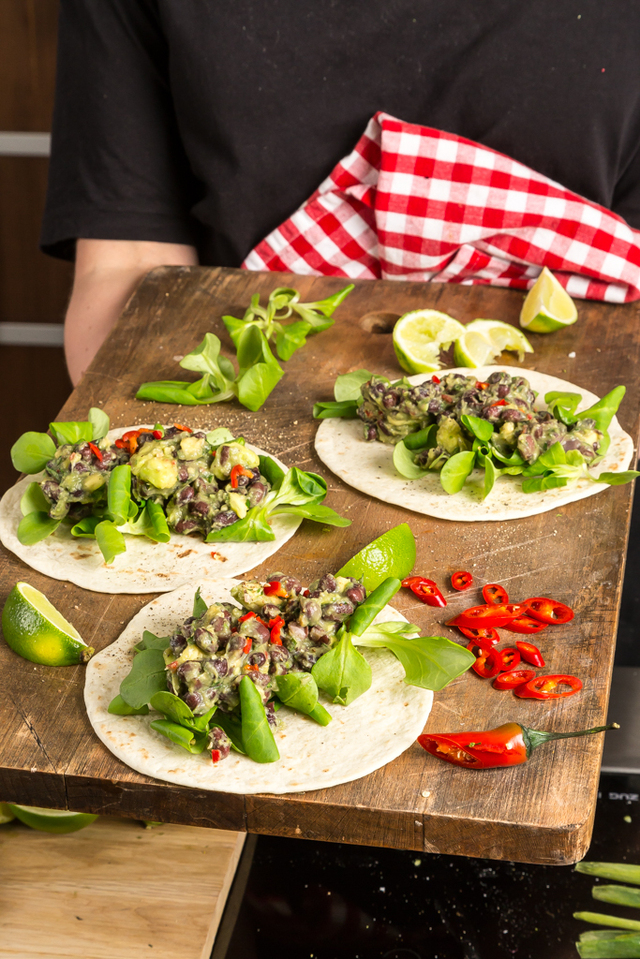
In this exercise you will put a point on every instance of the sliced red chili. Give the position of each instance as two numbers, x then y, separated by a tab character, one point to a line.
487	662
496	614
509	658
513	679
216	755
426	590
550	687
185	429
485	636
97	452
435	379
274	588
497	403
247	646
525	624
247	616
548	610
237	471
275	625
157	435
461	580
530	654
494	594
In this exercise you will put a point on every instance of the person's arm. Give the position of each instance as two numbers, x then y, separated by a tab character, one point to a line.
106	274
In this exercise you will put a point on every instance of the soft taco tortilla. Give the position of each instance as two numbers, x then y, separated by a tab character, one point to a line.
368	466
364	736
145	567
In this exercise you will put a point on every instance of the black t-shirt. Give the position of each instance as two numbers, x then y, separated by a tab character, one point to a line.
209	122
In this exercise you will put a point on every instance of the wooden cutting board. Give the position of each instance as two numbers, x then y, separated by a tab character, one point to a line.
541	812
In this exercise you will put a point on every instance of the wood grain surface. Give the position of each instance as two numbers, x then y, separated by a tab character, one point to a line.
541	812
108	891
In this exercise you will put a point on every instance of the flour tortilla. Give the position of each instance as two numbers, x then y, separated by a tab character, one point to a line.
364	736
368	466
146	567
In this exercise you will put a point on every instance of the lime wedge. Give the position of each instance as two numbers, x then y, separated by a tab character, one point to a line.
5	813
502	335
419	336
473	349
52	820
392	554
34	629
547	306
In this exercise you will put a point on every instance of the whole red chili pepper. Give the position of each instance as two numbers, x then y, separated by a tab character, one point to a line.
530	654
461	580
550	687
485	636
425	589
525	624
496	615
274	588
494	594
508	745
275	625
487	662
513	679
237	471
97	452
548	610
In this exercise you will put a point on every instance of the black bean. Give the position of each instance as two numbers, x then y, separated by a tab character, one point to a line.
183	474
337	612
221	666
299	633
193	700
178	643
356	594
205	640
189	670
257	492
257	659
225	518
186	526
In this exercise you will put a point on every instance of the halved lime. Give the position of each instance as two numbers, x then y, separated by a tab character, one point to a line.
52	820
419	336
474	349
392	554
34	629
502	335
547	306
6	815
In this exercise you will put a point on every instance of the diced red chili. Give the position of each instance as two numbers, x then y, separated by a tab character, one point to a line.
216	755
246	616
252	669
525	624
513	679
497	403
435	379
185	429
548	610
550	687
237	471
496	615
481	385
274	588
530	654
494	594
275	625
485	636
426	590
247	646
487	662
157	434
173	666
509	658
97	452
461	580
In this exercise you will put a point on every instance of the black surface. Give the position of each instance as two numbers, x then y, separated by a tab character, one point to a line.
628	646
308	900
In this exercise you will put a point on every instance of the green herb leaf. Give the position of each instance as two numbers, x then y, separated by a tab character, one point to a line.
259	372
99	421
71	432
119	493
151	641
118	707
430	662
299	488
34	500
86	528
146	677
403	460
231	724
422	439
173	708
272	472
190	740
605	409
490	474
298	691
343	673
32	451
347	386
617	479
481	429
253	528
110	540
292	338
317	513
257	738
199	605
219	437
35	526
167	391
455	471
346	410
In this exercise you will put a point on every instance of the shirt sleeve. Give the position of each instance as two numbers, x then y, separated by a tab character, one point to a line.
118	170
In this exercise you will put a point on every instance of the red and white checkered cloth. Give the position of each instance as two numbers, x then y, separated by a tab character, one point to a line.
414	203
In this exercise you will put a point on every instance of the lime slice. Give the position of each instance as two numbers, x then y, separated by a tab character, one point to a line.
419	336
34	629
392	554
52	820
5	813
547	306
502	335
474	349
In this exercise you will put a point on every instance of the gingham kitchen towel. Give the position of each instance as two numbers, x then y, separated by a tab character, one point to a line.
414	203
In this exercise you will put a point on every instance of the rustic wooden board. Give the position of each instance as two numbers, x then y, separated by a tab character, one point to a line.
109	891
541	812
